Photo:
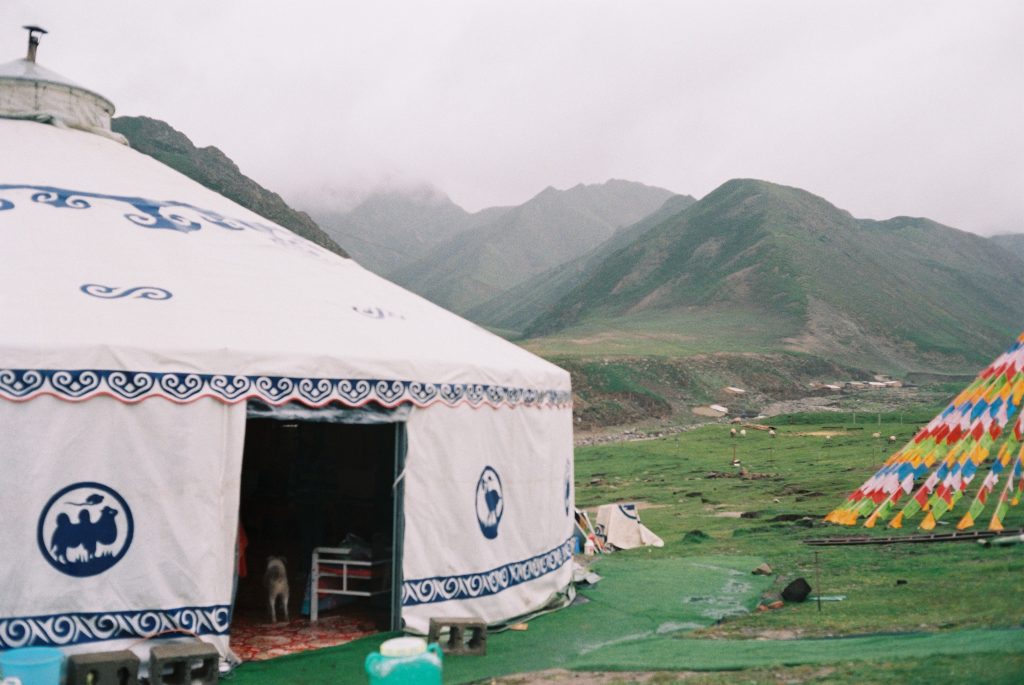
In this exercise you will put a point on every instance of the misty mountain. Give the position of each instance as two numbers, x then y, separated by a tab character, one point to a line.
213	169
514	310
1011	242
866	292
391	229
522	242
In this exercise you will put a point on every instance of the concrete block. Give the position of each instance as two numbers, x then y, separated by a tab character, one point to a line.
466	636
103	668
183	663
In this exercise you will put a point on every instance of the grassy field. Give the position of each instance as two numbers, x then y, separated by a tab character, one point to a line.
948	585
671	334
888	589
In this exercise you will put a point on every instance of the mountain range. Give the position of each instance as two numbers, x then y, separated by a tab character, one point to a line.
622	268
423	241
875	294
390	229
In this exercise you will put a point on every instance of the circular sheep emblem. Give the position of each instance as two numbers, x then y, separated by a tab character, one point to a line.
85	529
490	504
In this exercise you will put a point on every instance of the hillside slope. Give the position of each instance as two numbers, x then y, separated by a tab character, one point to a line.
897	294
552	228
1011	242
514	310
213	169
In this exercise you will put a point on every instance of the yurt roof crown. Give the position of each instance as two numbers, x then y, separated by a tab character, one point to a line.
31	91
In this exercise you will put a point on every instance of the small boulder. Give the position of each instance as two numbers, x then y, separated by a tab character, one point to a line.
796	591
762	570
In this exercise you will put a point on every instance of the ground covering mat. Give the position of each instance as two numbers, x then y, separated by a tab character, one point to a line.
638	618
257	640
638	599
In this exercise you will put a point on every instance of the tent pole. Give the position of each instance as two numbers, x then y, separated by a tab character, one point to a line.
398	527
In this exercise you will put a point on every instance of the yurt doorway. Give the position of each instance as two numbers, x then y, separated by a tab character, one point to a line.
320	490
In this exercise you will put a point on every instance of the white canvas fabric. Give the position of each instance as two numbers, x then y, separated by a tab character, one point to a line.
115	261
488	528
119	521
620	526
138	305
29	90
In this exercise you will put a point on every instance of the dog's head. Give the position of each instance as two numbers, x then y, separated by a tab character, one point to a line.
276	562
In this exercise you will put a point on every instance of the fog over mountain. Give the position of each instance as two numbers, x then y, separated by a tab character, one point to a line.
883	107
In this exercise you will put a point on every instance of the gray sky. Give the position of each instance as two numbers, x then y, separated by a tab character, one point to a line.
884	108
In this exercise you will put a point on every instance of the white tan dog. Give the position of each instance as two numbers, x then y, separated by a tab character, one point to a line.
275	580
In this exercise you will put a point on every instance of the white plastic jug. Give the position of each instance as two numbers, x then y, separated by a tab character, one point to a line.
405	661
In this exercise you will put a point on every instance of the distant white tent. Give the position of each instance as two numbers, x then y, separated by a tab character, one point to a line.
141	314
619	525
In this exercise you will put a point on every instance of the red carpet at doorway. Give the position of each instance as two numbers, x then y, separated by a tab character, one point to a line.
260	640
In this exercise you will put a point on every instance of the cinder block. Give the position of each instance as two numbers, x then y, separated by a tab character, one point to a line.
103	668
183	663
458	630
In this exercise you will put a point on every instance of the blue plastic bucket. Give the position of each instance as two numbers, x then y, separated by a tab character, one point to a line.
32	665
404	662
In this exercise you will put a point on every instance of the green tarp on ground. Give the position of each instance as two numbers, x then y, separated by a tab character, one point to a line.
637	618
728	655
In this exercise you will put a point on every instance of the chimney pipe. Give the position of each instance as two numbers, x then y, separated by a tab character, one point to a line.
33	41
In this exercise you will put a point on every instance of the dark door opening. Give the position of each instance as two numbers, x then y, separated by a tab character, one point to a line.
322	479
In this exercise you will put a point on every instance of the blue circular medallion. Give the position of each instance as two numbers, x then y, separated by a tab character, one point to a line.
490	503
85	529
568	487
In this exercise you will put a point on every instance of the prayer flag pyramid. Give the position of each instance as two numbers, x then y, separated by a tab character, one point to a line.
980	429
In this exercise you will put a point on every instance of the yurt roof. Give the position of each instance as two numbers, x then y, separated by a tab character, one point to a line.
115	263
31	71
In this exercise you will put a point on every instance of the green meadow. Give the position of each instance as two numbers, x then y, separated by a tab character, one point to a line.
699	504
677	333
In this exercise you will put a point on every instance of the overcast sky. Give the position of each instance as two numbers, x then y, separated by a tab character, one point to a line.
884	108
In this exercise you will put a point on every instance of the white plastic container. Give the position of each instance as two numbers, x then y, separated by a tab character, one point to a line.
405	661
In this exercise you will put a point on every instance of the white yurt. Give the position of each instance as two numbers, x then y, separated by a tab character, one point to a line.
185	385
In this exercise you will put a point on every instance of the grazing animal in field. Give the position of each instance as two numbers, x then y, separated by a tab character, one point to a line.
771	432
892	439
86	533
732	432
743	432
876	435
275	580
